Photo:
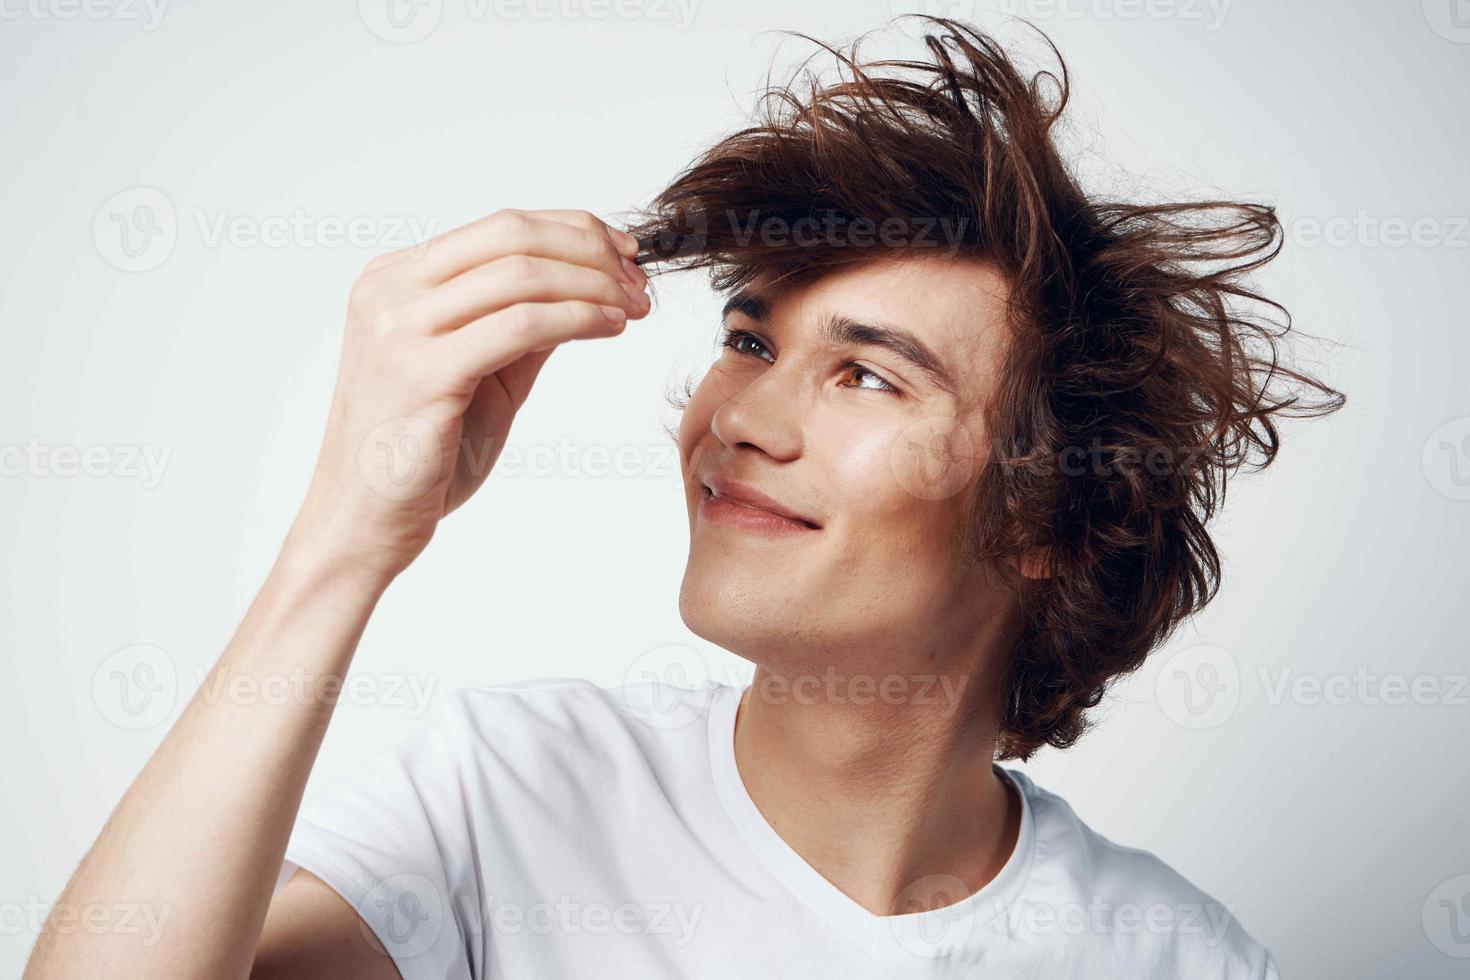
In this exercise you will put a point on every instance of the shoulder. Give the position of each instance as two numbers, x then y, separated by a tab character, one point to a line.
539	721
1128	902
571	706
491	762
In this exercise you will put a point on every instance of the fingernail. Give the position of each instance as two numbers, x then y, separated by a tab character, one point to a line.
635	294
613	314
624	241
635	275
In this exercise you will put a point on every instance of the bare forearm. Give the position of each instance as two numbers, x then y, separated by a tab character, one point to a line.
442	346
198	839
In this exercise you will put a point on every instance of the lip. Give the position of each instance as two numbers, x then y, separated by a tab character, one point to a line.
730	501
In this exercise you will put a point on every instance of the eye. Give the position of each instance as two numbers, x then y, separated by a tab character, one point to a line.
735	340
739	341
878	382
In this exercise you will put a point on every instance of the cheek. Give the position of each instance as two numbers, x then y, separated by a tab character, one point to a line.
694	423
901	486
935	459
896	467
858	465
868	485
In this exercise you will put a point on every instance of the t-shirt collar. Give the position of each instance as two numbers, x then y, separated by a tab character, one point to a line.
932	933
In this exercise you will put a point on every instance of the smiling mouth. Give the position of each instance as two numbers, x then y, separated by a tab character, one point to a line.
727	508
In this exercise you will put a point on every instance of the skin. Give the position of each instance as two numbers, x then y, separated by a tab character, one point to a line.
893	797
442	346
451	335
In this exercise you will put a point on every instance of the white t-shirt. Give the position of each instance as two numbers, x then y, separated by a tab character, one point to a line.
557	829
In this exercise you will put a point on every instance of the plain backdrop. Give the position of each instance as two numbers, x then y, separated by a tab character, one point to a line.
187	192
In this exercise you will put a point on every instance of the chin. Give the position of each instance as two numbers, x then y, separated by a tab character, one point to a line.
737	612
711	609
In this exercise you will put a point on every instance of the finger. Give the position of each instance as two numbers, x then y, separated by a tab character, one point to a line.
626	246
517	278
386	259
509	232
518	377
490	343
625	243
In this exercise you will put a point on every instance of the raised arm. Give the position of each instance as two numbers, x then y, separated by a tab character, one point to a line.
443	343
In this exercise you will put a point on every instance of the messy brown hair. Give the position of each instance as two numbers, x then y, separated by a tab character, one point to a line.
1137	343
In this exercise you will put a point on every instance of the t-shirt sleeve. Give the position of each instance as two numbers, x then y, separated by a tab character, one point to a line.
391	838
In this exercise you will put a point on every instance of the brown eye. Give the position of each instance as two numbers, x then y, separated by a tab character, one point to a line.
859	371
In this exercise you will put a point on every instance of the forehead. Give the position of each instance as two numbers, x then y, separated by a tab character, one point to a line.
955	305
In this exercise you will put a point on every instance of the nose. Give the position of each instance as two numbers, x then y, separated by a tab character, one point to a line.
765	414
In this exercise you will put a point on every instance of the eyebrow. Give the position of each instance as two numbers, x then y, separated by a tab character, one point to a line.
839	329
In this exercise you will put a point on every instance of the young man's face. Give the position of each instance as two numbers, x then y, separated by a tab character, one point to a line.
855	438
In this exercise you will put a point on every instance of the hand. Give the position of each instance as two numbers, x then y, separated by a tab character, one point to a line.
443	343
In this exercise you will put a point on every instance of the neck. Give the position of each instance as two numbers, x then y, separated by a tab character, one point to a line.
883	790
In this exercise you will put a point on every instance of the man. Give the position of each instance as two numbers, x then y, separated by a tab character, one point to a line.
948	477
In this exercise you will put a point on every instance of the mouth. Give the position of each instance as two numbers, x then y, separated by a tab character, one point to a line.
726	501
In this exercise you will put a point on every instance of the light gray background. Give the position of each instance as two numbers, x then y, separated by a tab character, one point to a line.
1335	820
